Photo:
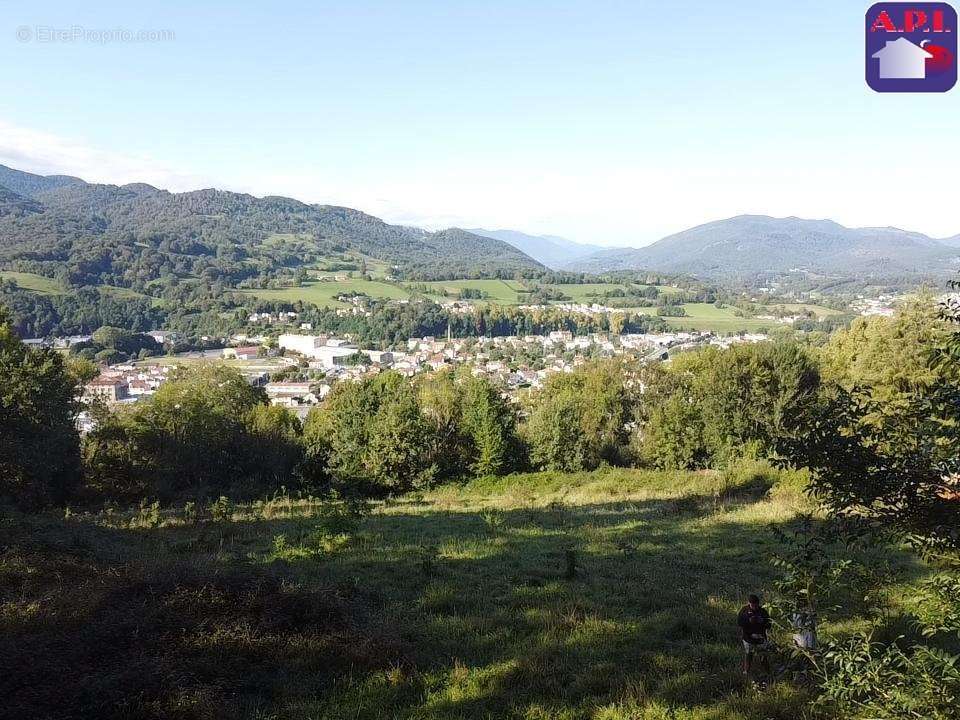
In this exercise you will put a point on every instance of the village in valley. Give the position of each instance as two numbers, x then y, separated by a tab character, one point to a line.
297	368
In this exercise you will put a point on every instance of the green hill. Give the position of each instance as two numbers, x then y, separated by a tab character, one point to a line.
89	234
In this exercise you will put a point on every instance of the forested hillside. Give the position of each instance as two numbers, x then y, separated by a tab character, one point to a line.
747	246
134	235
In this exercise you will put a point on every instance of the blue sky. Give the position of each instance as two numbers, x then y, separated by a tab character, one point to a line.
607	122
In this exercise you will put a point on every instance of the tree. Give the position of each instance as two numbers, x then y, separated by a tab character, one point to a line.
273	447
674	437
884	456
712	406
190	437
39	443
371	435
580	419
758	394
489	424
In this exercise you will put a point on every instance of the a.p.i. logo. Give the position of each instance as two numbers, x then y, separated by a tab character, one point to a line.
911	47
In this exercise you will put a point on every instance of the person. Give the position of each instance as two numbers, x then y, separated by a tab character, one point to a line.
754	622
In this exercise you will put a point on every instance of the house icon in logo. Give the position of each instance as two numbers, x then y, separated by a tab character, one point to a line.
900	59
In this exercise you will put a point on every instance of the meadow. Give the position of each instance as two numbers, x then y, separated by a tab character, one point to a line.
323	292
700	316
35	283
323	289
504	292
608	595
706	316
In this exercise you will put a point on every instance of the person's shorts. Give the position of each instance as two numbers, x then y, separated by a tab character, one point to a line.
750	648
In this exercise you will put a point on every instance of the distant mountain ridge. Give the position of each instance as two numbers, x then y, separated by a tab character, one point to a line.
748	246
46	221
551	250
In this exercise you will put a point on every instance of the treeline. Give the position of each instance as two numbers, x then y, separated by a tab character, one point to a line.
207	432
389	325
194	310
76	313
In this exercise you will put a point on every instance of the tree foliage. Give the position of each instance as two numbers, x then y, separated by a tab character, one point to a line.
201	433
581	419
39	444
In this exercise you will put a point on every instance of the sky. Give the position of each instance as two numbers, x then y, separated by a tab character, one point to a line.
613	123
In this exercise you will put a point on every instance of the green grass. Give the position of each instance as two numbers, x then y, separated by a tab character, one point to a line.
323	292
127	293
266	363
503	292
582	293
454	603
49	286
32	282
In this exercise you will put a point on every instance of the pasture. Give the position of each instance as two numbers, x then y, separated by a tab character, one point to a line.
609	595
33	282
322	292
502	292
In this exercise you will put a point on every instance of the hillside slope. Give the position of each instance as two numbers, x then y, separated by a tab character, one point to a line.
552	251
751	245
99	232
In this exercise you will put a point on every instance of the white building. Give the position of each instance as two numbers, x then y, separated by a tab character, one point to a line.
303	344
327	352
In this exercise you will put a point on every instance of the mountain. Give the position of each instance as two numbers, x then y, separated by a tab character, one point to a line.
134	234
27	184
13	204
748	246
552	251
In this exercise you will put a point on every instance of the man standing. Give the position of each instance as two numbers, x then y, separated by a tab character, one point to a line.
754	621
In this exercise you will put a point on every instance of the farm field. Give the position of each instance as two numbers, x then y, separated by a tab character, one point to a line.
609	595
705	316
503	292
127	293
323	292
30	281
588	292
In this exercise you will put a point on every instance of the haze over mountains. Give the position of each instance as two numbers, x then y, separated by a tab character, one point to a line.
753	245
50	222
553	251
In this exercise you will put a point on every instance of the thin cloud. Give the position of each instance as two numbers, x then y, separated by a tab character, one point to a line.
48	154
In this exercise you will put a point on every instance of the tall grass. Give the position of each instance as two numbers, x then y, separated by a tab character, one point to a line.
609	594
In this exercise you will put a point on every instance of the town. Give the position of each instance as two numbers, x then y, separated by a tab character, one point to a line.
298	370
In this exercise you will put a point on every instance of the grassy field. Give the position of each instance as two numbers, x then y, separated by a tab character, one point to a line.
323	292
706	316
586	293
36	283
503	292
609	595
266	364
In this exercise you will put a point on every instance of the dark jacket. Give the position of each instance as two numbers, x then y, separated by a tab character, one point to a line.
754	624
